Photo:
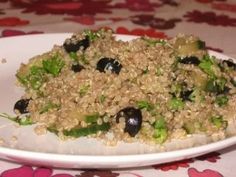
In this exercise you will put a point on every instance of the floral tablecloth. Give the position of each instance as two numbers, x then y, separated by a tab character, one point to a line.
214	21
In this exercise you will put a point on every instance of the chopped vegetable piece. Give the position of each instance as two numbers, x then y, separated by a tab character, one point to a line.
73	56
186	48
160	135
84	89
176	89
201	44
206	64
152	42
192	127
160	132
102	98
92	118
48	106
159	71
145	71
36	77
83	59
22	79
77	68
219	122
92	129
221	100
160	123
52	129
92	35
176	104
216	86
230	63
26	120
53	65
190	60
233	82
109	65
21	106
185	95
73	44
133	120
145	105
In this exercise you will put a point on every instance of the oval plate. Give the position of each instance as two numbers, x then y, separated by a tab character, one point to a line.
21	144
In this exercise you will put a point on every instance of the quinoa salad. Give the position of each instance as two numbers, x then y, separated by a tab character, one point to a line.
144	90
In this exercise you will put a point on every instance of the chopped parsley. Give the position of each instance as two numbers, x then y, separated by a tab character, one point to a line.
176	104
145	105
221	100
160	130
26	120
53	65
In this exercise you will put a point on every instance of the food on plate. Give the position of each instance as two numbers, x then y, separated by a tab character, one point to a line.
146	89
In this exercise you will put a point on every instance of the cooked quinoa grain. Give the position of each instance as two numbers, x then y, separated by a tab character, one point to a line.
147	90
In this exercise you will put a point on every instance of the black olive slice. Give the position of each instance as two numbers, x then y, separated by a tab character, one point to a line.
133	120
21	105
109	65
72	45
76	68
190	60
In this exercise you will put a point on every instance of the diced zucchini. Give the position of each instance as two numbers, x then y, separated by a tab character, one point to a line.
218	121
186	48
92	129
191	127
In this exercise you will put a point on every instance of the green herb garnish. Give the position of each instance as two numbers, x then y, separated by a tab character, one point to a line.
221	100
176	104
26	120
48	106
92	35
36	77
73	56
216	85
53	65
218	121
145	105
83	90
102	98
161	131
207	64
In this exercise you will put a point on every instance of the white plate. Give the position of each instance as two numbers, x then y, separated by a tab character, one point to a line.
20	144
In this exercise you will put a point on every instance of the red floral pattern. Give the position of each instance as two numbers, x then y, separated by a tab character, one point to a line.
224	7
214	49
9	32
27	171
208	1
210	18
12	21
84	20
71	7
98	173
153	22
192	172
211	157
141	32
169	2
1	12
174	165
138	5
